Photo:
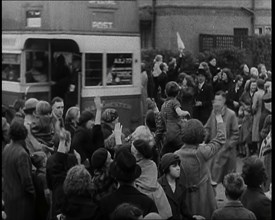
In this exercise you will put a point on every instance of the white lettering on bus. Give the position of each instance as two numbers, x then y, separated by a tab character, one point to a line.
102	24
122	60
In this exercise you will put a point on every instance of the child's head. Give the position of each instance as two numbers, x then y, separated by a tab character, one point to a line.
172	89
170	165
234	185
39	159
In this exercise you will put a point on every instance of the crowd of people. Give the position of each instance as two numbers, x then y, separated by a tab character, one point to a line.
77	165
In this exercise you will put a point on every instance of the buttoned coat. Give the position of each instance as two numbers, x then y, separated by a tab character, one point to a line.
225	160
176	199
18	187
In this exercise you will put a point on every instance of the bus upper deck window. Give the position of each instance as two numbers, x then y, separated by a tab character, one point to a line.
37	67
11	67
93	69
119	69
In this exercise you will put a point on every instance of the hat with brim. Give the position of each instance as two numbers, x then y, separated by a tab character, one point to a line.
30	104
124	168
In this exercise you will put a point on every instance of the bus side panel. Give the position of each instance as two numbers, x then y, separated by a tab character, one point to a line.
128	107
8	98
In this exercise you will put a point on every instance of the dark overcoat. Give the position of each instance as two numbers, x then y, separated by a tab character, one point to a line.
18	187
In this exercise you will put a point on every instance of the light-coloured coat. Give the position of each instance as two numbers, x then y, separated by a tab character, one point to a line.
224	161
200	197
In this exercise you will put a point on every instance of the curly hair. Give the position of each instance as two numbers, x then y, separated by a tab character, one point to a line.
253	172
193	132
18	131
143	132
189	79
78	181
234	185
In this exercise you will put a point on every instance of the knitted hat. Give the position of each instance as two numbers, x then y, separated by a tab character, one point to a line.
85	116
99	158
109	115
37	158
143	148
124	167
30	104
167	160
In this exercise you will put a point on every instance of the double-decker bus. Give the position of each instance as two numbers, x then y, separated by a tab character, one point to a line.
103	36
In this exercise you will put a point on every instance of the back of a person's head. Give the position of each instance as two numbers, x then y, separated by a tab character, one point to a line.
17	130
234	185
152	215
158	58
193	132
143	132
72	113
18	104
172	89
126	211
260	83
253	171
43	108
78	181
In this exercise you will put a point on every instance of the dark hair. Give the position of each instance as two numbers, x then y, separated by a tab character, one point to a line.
260	83
241	68
228	72
126	211
189	79
18	131
167	170
56	99
221	93
259	67
253	172
234	185
193	132
19	103
238	77
172	89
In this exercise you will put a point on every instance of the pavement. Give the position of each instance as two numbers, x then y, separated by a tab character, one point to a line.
220	197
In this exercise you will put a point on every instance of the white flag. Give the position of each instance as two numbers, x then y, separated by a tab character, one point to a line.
180	42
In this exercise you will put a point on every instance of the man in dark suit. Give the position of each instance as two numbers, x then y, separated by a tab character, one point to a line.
125	170
203	98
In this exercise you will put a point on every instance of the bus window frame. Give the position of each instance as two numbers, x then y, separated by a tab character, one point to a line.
20	65
25	68
104	69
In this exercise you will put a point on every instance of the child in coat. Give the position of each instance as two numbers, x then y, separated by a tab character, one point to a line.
173	188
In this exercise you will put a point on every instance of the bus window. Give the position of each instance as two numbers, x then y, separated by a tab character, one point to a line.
11	67
119	69
93	69
37	66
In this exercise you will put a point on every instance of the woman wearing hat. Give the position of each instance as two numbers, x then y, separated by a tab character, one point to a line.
194	158
125	170
147	183
102	182
88	137
109	119
174	189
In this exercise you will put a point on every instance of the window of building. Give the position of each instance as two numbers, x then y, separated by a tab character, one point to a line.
145	34
93	69
11	67
37	66
119	69
33	18
259	30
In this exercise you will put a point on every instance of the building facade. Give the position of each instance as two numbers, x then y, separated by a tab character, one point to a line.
161	19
